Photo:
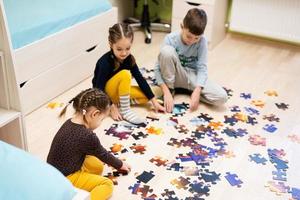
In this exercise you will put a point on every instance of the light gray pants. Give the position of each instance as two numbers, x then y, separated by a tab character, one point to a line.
176	76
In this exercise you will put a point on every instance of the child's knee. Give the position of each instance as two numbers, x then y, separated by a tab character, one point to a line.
222	99
125	74
109	186
167	51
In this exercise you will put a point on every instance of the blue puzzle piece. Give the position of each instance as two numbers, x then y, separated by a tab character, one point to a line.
211	177
295	193
252	111
279	175
270	128
199	188
145	177
245	95
235	109
233	179
258	158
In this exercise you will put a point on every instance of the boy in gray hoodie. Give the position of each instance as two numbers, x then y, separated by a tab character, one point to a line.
182	64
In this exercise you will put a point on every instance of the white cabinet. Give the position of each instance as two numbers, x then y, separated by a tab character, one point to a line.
11	121
216	16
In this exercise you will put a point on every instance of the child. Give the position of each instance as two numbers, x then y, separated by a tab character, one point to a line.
76	150
113	75
182	64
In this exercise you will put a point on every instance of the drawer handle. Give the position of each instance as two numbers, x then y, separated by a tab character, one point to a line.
193	4
22	84
91	49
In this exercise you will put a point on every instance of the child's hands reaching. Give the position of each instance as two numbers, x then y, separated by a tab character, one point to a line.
168	102
195	98
157	106
125	167
115	114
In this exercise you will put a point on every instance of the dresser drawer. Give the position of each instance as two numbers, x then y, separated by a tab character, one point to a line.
181	7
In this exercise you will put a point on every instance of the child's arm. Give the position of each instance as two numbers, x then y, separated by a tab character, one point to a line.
141	82
201	64
95	148
100	75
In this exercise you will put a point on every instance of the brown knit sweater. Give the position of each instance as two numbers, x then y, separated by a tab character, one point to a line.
72	143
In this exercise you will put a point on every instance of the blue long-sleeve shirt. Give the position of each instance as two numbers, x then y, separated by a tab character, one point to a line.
105	69
193	56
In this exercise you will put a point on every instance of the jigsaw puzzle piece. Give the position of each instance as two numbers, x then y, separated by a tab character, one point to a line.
233	179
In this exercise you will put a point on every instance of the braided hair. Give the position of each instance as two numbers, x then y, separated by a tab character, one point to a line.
87	98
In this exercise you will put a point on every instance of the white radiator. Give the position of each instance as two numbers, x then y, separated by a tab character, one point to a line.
277	19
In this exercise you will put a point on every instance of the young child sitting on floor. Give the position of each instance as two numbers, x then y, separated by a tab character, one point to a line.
113	74
76	150
182	64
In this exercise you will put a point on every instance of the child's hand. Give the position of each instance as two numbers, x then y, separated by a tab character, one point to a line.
115	114
157	106
168	102
125	167
195	98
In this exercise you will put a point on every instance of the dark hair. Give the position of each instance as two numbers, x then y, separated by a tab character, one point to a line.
87	98
195	21
117	32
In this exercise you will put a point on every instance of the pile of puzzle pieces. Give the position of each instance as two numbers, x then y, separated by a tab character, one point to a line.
196	145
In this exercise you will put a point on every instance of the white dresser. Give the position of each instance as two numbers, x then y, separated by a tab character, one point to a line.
216	15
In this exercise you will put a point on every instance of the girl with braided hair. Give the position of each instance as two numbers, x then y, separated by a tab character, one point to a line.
113	74
76	150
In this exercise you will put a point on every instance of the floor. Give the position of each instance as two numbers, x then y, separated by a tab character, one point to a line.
241	64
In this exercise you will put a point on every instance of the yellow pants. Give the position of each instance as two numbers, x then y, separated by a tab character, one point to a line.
89	179
120	85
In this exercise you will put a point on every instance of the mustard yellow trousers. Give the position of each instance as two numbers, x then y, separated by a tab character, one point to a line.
89	178
120	85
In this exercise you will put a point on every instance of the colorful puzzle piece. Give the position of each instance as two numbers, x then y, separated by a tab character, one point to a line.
138	148
233	179
154	131
294	138
271	128
158	161
257	140
245	95
258	103
271	93
258	159
282	106
279	188
181	182
271	118
145	177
